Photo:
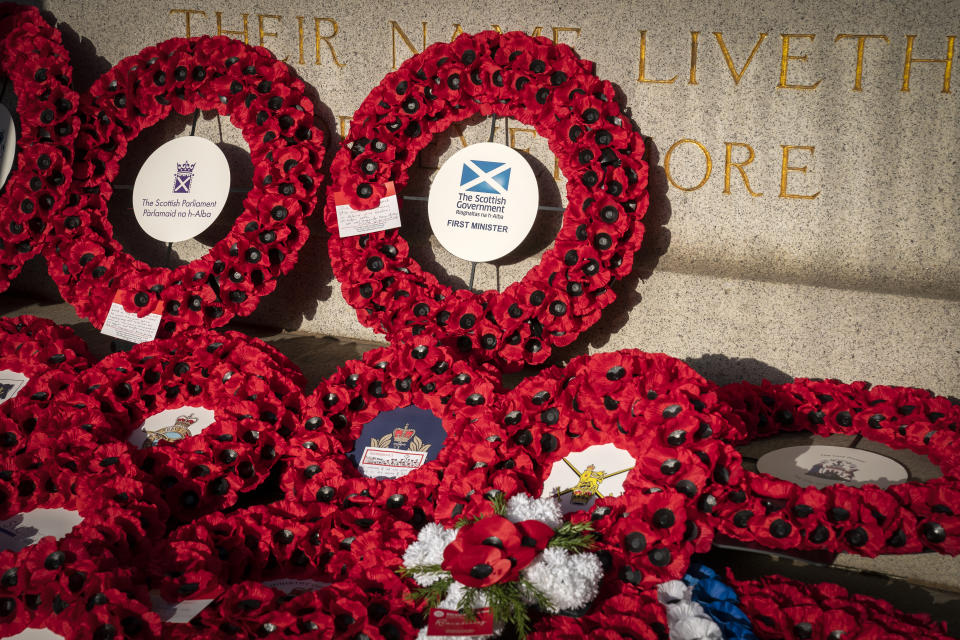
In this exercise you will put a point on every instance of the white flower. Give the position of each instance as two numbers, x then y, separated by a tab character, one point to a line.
673	591
687	619
428	549
522	507
568	580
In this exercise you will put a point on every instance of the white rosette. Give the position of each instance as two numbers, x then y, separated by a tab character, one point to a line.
568	580
522	507
687	619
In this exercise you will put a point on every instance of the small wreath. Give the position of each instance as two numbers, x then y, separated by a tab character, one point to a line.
904	518
319	473
38	66
268	103
536	82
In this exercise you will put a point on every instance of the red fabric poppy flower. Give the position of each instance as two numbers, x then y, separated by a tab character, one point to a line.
494	550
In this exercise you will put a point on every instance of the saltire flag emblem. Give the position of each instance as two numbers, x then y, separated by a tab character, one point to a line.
482	176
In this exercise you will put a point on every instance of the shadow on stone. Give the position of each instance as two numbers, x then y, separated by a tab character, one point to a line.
722	369
656	241
87	65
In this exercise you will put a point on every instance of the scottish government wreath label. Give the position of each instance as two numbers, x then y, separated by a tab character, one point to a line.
483	202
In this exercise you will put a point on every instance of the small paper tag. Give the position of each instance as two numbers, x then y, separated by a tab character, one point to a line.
177	613
447	622
25	529
390	463
10	384
384	216
127	326
290	585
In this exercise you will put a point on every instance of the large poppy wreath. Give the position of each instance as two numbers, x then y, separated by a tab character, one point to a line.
33	58
267	102
540	84
903	518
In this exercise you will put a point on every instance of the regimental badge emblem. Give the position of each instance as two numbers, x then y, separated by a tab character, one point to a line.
834	469
179	431
588	483
401	438
183	178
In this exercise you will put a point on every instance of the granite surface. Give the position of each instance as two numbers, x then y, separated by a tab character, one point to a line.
859	282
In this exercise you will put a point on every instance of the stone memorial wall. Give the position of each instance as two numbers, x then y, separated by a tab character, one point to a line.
804	179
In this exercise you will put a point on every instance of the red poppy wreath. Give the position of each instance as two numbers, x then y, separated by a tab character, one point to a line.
33	58
265	551
85	534
381	432
267	102
545	86
908	517
205	414
624	440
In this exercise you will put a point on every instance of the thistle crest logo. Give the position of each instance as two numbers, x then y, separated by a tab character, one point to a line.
179	431
183	178
404	437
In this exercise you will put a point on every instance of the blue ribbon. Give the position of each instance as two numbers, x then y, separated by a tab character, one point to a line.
719	601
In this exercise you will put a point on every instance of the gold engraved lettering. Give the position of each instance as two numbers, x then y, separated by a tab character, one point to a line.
669	154
187	13
222	32
739	166
344	121
643	63
737	75
457	30
558	30
557	174
513	137
861	42
336	30
395	30
694	43
785	167
267	34
785	59
300	37
947	62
